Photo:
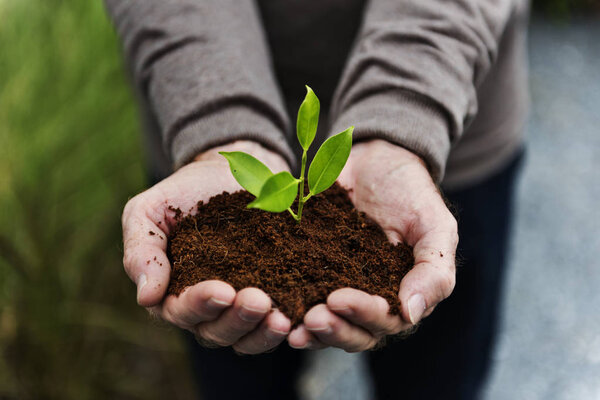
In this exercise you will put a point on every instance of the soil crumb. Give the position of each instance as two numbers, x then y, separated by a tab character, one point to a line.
297	265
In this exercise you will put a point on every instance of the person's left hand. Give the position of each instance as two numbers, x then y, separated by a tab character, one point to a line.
392	185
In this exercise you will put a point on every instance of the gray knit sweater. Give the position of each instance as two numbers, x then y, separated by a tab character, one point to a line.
443	78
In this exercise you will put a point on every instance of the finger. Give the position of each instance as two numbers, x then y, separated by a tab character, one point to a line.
251	305
271	332
367	311
334	331
432	279
202	302
144	247
301	338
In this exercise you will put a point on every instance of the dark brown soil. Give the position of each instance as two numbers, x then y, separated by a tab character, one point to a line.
297	265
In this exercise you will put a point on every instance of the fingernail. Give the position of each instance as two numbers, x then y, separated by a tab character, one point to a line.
141	282
216	305
249	314
416	308
299	347
325	330
276	333
307	346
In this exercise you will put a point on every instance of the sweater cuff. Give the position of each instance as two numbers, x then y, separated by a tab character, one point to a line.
403	118
225	126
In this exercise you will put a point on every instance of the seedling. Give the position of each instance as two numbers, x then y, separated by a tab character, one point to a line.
277	192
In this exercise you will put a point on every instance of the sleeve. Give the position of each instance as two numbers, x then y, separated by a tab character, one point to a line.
204	69
413	74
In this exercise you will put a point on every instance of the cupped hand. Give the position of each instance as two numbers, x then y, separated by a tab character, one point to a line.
392	185
212	310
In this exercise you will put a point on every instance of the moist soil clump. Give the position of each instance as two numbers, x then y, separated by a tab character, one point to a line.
297	265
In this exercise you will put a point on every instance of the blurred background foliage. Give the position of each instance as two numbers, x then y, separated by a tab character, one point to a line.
69	158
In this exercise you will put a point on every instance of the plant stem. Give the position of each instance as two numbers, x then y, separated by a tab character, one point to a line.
301	198
293	214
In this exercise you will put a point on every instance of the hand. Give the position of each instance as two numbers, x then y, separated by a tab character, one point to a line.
212	310
392	185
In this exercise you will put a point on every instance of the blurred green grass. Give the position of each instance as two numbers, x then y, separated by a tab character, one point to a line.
69	158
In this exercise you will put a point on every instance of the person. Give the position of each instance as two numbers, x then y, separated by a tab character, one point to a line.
437	93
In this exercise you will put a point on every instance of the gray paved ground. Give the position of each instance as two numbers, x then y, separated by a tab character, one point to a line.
549	346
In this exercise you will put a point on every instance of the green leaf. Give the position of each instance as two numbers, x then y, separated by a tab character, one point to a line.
278	193
329	161
247	170
308	119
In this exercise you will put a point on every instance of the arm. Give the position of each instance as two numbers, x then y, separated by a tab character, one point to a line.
411	80
211	310
204	68
413	73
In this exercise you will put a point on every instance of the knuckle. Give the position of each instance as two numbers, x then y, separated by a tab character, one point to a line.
344	339
205	313
128	259
338	331
168	317
373	318
381	305
173	317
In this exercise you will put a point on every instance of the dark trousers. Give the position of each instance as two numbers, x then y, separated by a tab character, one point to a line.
449	355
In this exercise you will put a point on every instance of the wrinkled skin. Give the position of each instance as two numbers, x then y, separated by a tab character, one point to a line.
212	310
389	183
393	186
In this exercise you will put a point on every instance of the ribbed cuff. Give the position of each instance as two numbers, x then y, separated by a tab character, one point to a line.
224	126
404	118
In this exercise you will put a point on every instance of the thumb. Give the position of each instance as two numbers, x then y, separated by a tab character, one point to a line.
145	259
433	277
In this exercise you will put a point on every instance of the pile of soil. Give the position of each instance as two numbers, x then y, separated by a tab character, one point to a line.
297	265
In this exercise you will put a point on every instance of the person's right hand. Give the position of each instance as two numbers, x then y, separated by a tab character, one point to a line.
211	310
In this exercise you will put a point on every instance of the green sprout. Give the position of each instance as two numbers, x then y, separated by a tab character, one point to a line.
277	192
